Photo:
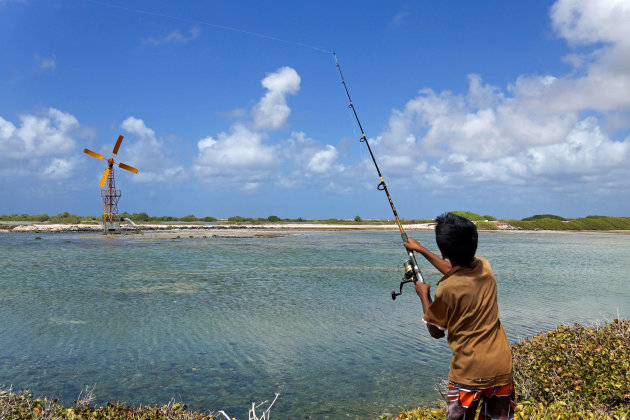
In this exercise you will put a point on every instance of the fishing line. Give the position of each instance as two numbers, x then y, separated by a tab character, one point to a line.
412	271
213	25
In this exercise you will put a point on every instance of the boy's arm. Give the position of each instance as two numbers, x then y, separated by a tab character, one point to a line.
422	289
441	264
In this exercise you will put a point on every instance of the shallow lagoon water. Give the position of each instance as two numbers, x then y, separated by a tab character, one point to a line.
222	322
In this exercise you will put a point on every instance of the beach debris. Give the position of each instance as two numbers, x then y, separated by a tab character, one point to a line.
252	411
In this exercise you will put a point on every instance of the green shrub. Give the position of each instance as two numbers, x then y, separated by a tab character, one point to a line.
491	218
66	218
483	225
21	405
273	218
568	373
24	217
412	221
589	367
585	223
473	217
236	219
543	216
604	223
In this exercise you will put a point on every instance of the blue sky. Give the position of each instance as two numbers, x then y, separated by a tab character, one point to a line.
236	108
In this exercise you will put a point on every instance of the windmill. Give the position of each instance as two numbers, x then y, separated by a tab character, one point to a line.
110	195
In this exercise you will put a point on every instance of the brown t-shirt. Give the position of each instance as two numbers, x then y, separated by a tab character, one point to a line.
465	305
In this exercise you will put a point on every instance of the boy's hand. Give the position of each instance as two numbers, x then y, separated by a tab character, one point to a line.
422	289
413	245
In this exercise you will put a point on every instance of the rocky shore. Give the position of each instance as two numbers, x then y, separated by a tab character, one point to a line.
194	230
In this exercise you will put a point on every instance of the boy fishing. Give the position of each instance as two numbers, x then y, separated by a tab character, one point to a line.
465	306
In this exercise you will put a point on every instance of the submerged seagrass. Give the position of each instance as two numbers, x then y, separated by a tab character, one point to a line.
223	322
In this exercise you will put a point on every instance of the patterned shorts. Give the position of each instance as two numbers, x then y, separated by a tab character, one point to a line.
497	402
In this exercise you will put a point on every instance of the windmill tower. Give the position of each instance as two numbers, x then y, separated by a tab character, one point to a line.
110	195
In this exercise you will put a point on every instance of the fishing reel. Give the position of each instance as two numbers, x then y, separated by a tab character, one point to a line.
408	277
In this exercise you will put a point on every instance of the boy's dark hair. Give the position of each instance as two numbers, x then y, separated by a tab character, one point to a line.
456	237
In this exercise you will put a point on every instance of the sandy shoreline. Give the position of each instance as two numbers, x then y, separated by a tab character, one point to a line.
223	230
244	230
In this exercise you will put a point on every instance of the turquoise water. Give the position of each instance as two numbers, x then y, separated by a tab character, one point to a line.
222	322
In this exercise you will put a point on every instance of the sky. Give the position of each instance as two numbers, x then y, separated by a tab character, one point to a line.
508	109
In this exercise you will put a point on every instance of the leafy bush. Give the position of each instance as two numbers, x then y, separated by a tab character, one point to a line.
414	221
24	217
65	217
604	223
273	218
568	373
23	406
473	217
543	216
589	367
585	223
491	218
236	219
483	225
358	219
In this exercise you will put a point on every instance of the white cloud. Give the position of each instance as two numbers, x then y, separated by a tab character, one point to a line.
272	111
46	63
152	157
176	37
136	126
59	168
541	130
592	21
323	161
243	159
41	145
237	159
399	18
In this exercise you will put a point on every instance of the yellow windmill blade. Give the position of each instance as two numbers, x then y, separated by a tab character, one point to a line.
117	146
127	167
104	179
93	154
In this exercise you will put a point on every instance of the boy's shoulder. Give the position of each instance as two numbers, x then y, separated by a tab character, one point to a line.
477	276
479	267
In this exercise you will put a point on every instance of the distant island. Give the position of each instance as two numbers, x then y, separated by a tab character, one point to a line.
544	222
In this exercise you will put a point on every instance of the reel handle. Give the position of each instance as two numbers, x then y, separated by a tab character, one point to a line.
402	283
412	273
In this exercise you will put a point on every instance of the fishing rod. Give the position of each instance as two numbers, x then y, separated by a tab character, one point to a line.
412	270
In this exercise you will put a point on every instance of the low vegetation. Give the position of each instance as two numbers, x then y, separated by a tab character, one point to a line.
568	373
549	222
584	223
474	217
22	405
485	222
486	225
41	218
543	216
